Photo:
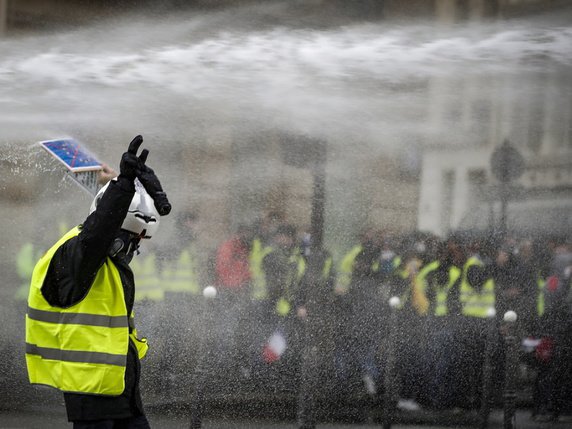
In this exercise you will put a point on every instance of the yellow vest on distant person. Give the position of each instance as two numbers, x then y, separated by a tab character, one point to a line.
540	303
442	292
419	299
149	287
258	288
346	269
297	270
179	275
476	303
82	348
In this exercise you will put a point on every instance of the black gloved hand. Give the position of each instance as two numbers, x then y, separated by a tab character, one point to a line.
151	183
131	164
132	167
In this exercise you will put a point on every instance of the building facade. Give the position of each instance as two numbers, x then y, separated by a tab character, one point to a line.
532	111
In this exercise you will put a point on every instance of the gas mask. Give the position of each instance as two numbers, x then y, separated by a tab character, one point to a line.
124	246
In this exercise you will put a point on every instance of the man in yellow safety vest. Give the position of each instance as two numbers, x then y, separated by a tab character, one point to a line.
80	335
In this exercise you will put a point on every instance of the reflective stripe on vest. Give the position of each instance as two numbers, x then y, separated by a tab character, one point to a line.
180	275
540	282
257	274
327	270
419	292
476	304
146	278
82	348
346	269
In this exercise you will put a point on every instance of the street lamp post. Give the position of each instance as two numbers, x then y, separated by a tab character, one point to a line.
511	367
486	400
203	367
319	195
311	153
390	381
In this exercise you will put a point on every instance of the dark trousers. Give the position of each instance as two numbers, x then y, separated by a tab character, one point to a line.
139	422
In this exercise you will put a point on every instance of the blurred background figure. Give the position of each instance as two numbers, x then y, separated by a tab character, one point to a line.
284	268
314	324
442	285
365	312
555	349
232	268
516	285
182	283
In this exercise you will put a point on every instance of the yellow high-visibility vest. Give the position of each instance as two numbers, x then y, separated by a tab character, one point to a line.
283	305
442	292
257	275
148	283
419	299
541	283
403	273
474	303
346	268
82	348
179	275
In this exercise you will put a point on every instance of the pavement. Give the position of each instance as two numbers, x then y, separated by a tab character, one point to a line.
55	418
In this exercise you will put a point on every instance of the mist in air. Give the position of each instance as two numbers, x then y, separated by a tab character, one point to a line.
213	92
362	83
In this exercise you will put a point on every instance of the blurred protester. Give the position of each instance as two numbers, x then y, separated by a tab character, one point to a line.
148	304
269	224
477	297
233	277
181	278
284	268
352	271
516	286
534	265
261	307
443	294
411	341
367	312
181	285
313	306
31	251
232	263
555	348
260	248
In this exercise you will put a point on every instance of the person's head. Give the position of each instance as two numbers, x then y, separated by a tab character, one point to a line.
244	234
141	221
455	249
370	238
284	237
503	256
270	222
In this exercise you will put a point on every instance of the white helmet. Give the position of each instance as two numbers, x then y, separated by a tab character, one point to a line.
142	216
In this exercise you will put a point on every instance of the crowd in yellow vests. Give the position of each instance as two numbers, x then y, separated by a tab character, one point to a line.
442	303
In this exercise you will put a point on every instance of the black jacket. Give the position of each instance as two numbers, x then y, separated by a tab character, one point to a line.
70	275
